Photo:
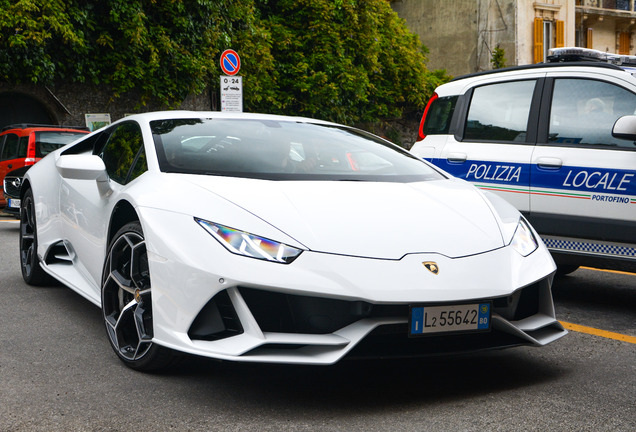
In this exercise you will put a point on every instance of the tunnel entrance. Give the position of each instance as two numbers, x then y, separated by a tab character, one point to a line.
21	108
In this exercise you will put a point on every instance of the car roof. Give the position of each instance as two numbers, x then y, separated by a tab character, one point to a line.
27	128
180	114
547	66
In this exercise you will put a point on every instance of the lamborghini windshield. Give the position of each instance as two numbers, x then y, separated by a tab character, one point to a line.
281	150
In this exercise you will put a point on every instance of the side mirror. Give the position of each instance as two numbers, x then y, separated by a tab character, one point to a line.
625	128
85	167
81	167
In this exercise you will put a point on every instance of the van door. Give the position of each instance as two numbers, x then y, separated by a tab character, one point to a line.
583	181
495	137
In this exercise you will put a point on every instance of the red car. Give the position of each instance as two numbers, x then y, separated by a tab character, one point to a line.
25	144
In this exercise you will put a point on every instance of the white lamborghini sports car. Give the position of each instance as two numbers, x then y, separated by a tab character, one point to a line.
279	239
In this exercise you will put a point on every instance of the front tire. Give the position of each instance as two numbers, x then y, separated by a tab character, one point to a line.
32	271
127	302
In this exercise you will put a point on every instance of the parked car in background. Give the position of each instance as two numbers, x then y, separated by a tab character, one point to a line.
25	144
554	140
11	185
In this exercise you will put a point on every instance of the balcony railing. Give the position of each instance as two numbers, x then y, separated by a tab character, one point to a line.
611	5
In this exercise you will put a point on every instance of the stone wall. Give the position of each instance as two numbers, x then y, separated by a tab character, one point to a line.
449	30
462	34
67	103
402	131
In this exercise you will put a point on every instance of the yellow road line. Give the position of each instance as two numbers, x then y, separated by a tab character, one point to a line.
597	332
609	271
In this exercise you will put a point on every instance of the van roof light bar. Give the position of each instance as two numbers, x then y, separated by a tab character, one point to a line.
575	54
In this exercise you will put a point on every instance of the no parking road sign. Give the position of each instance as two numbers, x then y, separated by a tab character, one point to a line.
231	84
230	62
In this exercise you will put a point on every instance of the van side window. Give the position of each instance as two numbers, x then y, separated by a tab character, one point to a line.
439	116
499	112
584	111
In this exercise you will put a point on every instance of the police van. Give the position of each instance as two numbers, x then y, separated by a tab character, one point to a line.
557	140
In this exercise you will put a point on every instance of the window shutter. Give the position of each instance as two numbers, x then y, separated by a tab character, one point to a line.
560	34
623	43
538	40
589	43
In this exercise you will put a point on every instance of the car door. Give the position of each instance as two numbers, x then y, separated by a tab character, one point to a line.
12	154
583	181
495	136
9	154
87	211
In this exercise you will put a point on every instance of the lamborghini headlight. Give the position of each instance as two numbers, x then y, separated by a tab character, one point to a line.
524	241
250	245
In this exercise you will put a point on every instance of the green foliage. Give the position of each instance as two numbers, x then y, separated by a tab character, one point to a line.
345	60
30	32
498	60
164	49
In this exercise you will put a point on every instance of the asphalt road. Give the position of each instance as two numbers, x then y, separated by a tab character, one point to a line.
58	373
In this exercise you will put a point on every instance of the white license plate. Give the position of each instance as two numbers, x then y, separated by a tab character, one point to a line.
14	203
451	318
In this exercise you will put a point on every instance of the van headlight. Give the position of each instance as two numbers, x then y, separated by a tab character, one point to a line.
524	241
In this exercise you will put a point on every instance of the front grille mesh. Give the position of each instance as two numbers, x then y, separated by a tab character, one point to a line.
286	313
9	188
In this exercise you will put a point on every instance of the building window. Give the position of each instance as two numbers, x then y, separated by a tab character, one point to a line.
547	34
547	38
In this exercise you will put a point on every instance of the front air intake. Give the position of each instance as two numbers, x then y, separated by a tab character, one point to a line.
217	320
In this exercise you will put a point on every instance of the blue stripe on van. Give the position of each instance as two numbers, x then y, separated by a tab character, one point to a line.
567	178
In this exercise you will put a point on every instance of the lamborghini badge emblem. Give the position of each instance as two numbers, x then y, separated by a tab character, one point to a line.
431	266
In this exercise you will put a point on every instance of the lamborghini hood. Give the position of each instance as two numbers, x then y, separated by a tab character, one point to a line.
366	219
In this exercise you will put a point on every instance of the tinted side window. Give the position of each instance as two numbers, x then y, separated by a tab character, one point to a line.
120	152
10	149
140	166
584	111
499	112
23	146
439	116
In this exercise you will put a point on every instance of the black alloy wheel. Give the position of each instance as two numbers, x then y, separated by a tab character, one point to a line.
32	272
127	302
